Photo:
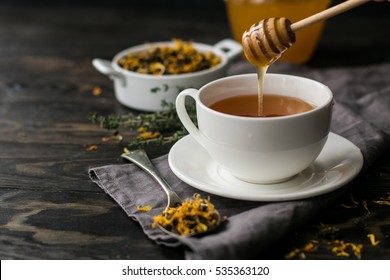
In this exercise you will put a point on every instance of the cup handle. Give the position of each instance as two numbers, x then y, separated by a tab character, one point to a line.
104	67
183	114
230	47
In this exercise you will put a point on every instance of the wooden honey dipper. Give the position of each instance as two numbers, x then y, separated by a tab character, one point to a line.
266	40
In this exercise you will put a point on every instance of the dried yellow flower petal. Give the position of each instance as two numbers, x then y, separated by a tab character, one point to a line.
92	147
96	90
117	138
382	202
373	240
310	247
144	208
292	254
141	129
148	135
348	206
157	68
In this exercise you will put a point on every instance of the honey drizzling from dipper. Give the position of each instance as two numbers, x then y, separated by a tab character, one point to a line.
263	44
267	40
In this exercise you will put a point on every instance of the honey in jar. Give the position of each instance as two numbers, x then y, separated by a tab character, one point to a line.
243	13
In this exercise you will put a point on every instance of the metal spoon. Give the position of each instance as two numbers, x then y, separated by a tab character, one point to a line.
140	158
268	39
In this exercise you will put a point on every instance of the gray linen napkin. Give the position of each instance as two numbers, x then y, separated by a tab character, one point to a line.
361	114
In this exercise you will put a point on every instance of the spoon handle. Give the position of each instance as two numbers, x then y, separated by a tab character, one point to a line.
139	158
332	11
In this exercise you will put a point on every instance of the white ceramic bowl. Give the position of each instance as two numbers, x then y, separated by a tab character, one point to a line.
145	92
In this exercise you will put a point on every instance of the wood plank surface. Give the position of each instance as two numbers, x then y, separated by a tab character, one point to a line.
49	208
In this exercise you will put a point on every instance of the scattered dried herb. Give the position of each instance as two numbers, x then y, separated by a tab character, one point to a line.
383	201
328	232
300	253
331	233
159	128
353	205
344	249
365	206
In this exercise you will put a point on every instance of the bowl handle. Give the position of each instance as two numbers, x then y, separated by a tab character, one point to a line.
104	67
230	47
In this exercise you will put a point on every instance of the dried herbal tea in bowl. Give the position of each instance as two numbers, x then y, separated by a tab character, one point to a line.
178	58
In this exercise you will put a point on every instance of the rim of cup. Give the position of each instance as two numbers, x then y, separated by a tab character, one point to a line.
329	100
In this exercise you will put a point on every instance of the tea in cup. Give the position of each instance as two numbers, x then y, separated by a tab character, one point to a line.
260	149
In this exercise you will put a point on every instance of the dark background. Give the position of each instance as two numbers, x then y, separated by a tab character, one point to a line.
169	4
206	15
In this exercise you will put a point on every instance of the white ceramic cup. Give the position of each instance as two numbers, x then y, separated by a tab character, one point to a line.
260	150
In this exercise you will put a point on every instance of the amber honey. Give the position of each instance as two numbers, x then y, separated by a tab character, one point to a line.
243	13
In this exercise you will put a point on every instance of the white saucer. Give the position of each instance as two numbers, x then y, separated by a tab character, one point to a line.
339	162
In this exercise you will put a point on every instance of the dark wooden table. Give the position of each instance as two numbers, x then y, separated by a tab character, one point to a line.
49	208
